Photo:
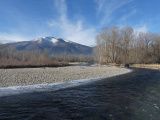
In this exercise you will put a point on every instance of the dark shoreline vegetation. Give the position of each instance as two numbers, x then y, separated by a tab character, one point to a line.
14	63
60	64
36	59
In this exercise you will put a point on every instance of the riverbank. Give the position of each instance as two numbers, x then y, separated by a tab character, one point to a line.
31	76
148	66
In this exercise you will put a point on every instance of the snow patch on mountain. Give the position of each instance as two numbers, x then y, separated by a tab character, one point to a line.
39	40
54	40
43	39
51	39
68	41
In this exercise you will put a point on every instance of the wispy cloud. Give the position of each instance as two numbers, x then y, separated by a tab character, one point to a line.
126	16
68	29
61	7
107	8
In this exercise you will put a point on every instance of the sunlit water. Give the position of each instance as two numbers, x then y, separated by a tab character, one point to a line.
134	96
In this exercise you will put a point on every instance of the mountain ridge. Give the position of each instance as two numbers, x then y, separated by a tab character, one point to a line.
52	44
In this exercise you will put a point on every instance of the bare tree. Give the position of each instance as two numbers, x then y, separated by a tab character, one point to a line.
126	39
125	46
98	50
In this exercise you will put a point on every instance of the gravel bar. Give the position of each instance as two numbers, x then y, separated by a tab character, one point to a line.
30	76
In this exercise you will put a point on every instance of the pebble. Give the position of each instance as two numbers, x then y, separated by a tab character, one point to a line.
30	76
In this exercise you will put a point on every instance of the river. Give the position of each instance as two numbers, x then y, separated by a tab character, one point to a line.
133	96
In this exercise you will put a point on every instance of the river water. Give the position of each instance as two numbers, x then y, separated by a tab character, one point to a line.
133	96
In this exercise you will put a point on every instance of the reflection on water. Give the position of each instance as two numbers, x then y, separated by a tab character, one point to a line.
134	96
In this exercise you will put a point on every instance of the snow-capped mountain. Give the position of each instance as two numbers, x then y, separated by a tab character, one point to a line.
53	45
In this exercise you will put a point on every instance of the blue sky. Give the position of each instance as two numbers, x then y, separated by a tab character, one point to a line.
75	20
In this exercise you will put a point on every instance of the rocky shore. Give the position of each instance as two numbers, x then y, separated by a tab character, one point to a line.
30	76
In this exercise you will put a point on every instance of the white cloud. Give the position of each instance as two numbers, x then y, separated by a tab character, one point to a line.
5	38
141	28
71	30
108	7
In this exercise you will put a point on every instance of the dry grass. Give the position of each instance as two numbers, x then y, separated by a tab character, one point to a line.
13	63
111	64
150	66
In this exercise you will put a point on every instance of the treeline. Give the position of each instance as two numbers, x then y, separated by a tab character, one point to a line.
73	58
9	57
20	59
124	45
